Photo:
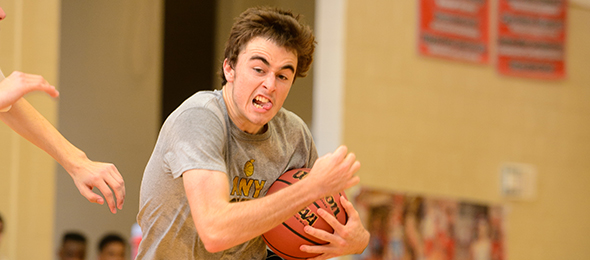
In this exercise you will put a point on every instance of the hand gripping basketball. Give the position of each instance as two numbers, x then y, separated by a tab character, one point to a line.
286	239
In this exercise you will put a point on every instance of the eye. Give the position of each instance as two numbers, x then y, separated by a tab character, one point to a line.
283	77
259	70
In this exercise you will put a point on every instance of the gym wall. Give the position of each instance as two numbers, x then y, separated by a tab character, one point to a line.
442	128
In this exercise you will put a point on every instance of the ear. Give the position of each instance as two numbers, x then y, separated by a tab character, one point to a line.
228	71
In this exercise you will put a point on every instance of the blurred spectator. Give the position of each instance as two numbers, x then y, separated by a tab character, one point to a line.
73	247
112	247
1	228
1	233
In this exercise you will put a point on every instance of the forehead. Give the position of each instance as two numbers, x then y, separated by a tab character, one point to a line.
74	245
268	49
114	245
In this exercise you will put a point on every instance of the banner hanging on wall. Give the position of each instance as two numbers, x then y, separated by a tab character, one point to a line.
412	227
531	38
454	29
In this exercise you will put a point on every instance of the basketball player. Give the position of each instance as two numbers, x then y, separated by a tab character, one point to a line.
19	115
203	191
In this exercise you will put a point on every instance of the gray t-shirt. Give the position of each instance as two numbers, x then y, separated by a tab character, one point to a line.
200	135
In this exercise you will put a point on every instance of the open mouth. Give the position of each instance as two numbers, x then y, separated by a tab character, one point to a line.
262	103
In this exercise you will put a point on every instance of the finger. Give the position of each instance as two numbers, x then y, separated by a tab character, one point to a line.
330	219
340	152
108	195
352	182
117	184
37	82
49	89
349	208
52	91
319	249
118	189
348	162
86	191
322	257
319	234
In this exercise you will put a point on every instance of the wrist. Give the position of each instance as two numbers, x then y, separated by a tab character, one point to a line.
73	161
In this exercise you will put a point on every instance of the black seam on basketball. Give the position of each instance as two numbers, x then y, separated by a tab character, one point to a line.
279	251
284	181
301	236
316	204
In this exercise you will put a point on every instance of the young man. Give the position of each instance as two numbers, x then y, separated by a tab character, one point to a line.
19	115
73	247
112	247
198	199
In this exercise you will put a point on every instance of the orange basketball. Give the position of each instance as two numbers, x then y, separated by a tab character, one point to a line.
286	238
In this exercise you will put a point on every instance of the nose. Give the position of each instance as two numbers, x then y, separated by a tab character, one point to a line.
269	82
2	14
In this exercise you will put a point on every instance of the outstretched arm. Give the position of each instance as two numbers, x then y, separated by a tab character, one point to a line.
31	125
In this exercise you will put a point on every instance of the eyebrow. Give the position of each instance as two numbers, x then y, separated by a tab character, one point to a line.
288	66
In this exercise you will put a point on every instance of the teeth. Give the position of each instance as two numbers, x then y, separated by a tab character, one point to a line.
258	106
262	99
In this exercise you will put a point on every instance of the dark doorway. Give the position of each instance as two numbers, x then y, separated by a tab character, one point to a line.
189	50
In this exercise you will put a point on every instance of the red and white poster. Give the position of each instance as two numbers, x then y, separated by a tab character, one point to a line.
413	227
454	29
531	38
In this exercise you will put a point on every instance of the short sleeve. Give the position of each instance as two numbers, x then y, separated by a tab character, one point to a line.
197	141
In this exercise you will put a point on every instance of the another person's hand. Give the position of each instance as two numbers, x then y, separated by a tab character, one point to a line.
103	176
18	84
348	239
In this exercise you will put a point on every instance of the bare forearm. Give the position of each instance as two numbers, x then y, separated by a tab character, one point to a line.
222	225
87	174
31	125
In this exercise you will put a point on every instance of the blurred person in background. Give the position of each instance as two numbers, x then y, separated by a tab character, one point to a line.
73	247
1	233
112	247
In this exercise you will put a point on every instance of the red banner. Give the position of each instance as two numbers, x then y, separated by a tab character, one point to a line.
531	38
454	29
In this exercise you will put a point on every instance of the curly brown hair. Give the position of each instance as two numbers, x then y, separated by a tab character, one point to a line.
282	27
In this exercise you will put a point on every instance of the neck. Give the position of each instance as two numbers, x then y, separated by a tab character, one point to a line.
242	124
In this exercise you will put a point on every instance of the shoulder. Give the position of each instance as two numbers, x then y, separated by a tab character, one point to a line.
290	122
208	102
206	99
204	108
288	118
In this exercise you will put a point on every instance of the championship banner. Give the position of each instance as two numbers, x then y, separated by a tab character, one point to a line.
531	38
413	227
454	29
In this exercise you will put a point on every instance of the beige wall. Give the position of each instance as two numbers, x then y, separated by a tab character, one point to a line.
110	75
107	58
29	42
441	128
